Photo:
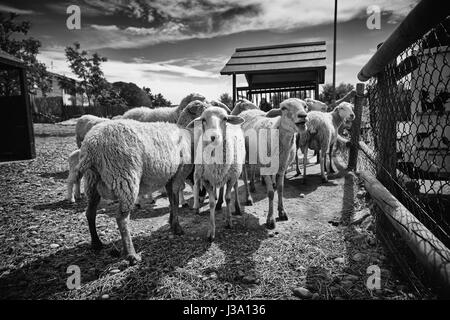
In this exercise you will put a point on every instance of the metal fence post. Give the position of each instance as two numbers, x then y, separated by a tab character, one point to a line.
356	127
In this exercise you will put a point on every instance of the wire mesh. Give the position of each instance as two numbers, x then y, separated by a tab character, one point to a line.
405	124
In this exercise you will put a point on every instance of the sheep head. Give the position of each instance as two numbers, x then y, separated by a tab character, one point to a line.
189	98
316	105
193	110
219	104
293	114
213	123
243	105
345	112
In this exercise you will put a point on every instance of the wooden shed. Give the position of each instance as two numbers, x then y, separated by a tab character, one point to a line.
16	127
277	72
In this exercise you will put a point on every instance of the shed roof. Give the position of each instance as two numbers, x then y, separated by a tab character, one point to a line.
294	57
10	60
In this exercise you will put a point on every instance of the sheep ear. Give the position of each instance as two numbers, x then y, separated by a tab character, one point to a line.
235	120
273	113
192	123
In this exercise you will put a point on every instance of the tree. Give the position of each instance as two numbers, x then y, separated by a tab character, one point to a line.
341	90
158	100
226	99
25	49
132	94
88	70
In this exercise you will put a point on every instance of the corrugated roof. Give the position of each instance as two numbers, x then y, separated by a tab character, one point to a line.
277	58
10	60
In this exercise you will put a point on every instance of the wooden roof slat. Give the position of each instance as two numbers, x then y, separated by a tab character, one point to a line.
282	58
277	52
276	67
281	46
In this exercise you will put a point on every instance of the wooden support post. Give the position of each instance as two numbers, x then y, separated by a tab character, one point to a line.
428	249
356	127
386	128
30	152
234	90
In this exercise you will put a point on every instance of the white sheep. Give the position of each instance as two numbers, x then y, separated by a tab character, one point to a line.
84	124
166	114
286	121
222	165
123	158
322	133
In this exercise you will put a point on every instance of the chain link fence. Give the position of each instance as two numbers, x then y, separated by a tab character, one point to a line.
405	129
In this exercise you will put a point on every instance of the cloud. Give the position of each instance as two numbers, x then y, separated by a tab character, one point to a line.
175	20
6	8
173	80
358	60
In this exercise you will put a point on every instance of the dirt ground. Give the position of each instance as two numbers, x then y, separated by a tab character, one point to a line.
325	247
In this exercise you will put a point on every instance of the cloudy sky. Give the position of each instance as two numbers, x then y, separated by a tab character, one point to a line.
179	46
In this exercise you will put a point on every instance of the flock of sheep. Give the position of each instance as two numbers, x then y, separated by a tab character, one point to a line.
146	150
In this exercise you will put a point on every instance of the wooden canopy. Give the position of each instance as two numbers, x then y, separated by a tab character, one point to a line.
295	65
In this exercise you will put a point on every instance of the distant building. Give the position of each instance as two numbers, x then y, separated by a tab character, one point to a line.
69	98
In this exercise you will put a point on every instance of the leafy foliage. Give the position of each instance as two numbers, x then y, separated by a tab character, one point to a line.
226	99
88	70
341	90
132	94
25	49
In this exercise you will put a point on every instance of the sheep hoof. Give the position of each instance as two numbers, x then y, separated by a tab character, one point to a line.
72	200
197	211
97	245
298	173
176	229
137	206
210	237
270	224
133	259
228	225
185	205
237	211
249	202
153	201
218	206
282	216
324	179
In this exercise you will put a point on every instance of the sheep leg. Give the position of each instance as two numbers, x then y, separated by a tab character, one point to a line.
282	216
220	199
237	205
270	223
212	207
331	169
77	189
316	153
195	190
323	153
69	196
228	221
252	180
91	214
305	160
248	199
71	182
182	200
130	253
296	163
172	193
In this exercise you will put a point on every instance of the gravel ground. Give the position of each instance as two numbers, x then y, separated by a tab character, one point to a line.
322	252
